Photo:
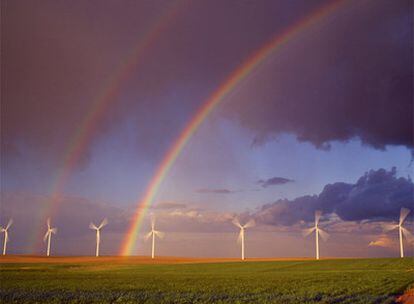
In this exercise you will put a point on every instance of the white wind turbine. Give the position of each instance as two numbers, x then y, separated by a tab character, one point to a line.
152	234
318	231
240	239
6	235
402	231
48	236
98	233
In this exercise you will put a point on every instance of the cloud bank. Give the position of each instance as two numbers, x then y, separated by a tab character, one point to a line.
378	195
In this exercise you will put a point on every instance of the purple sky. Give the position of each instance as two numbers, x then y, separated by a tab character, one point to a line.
325	123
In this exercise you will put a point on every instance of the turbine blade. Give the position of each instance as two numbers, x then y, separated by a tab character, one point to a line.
239	238
46	235
250	223
324	235
308	231
148	235
403	214
93	226
389	227
48	223
408	234
53	230
318	215
236	222
160	234
103	223
2	229
9	224
152	223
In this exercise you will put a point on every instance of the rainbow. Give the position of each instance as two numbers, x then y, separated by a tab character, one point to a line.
235	78
87	128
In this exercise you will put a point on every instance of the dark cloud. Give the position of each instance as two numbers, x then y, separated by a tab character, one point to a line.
57	62
378	195
217	191
350	78
274	181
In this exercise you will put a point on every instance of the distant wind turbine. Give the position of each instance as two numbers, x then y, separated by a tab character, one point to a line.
318	231
152	234
48	236
98	233
6	235
402	231
240	239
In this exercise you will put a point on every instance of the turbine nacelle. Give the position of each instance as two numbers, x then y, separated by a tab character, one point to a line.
98	233
402	230
9	223
403	215
6	234
318	232
250	223
153	233
240	239
103	224
48	235
49	230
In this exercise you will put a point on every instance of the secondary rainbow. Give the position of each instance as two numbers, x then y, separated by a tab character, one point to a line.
235	78
87	128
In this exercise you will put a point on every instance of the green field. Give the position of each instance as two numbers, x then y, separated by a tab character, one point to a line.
325	281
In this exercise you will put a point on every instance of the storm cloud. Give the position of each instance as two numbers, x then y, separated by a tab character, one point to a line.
349	81
353	79
55	70
378	195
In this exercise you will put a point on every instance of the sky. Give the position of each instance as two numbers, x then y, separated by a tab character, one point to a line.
94	94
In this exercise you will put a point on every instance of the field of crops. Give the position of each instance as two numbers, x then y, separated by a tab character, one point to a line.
306	281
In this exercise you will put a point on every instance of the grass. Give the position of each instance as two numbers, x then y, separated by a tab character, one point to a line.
325	281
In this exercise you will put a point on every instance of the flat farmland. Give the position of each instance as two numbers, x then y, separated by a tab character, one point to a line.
192	280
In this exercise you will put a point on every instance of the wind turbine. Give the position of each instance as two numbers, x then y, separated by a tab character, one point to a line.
318	231
240	239
402	231
152	234
6	235
98	233
48	236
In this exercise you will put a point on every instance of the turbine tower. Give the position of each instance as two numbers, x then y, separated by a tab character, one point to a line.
152	234
401	230
48	236
6	235
98	233
318	231
240	239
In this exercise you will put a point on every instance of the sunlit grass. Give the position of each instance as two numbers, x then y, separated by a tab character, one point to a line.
325	281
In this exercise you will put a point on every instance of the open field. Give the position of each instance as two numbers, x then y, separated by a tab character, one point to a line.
181	280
